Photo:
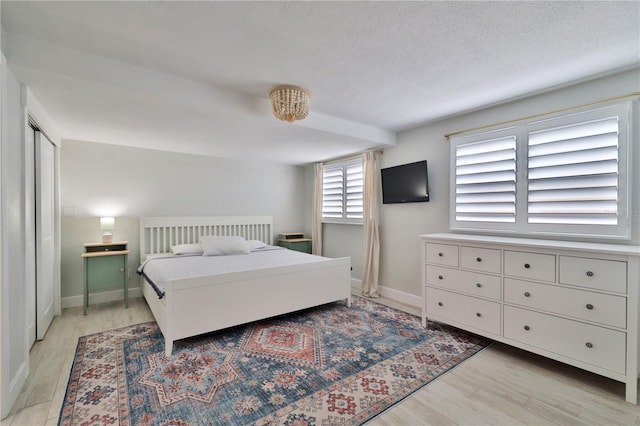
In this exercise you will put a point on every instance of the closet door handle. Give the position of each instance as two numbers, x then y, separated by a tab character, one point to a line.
527	266
526	327
589	273
440	277
478	314
478	285
527	294
478	259
440	254
589	345
589	306
440	304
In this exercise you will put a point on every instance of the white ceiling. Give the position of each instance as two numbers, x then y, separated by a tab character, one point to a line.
194	76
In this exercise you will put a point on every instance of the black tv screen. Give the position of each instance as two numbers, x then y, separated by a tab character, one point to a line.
407	183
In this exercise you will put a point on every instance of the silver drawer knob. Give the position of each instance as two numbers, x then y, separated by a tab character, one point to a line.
589	345
589	273
589	306
526	327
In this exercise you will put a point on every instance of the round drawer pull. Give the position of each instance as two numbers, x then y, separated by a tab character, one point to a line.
478	285
478	314
440	277
526	327
478	259
589	273
527	294
527	266
589	306
589	345
440	254
440	304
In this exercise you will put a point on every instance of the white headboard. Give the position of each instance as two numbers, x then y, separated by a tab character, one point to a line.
158	234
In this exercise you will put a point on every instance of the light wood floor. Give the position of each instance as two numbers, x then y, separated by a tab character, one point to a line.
498	386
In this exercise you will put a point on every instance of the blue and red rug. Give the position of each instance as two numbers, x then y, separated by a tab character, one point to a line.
322	366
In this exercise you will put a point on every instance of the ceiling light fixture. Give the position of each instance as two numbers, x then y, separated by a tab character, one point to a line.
289	103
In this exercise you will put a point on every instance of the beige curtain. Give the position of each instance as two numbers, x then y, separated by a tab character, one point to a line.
371	255
316	219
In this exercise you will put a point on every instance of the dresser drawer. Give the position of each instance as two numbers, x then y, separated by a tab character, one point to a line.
477	313
609	275
467	282
586	305
480	259
591	344
536	266
442	254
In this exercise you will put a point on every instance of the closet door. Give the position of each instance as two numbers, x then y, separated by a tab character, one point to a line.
45	233
30	230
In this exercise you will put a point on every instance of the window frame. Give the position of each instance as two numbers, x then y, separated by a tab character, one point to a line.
343	166
625	111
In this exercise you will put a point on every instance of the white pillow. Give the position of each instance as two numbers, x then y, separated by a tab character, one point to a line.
219	246
195	248
256	245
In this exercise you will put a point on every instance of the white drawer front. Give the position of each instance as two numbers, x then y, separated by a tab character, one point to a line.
471	283
608	275
442	254
536	266
467	310
480	259
587	343
601	308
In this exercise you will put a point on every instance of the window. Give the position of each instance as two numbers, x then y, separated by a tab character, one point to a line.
486	180
342	192
562	175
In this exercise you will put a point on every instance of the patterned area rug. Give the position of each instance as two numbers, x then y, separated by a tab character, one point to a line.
322	366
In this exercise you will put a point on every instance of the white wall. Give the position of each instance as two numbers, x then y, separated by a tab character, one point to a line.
14	346
401	224
108	180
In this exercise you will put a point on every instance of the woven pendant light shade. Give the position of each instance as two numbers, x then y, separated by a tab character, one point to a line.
289	103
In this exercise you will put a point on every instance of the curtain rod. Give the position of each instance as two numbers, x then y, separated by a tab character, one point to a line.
349	157
448	135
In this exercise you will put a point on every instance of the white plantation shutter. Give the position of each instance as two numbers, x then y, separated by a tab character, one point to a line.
342	192
485	181
354	190
332	193
564	174
573	174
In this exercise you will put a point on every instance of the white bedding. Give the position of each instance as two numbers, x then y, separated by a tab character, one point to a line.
163	268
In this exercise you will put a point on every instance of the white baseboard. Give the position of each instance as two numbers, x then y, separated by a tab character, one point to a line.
390	293
105	296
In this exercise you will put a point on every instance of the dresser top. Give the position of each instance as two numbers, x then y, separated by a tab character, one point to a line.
623	249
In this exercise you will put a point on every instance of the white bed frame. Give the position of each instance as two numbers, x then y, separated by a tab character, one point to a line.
200	305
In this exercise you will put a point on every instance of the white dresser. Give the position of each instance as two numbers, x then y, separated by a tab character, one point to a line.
570	301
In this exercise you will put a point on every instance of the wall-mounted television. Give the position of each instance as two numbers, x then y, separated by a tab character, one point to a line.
407	183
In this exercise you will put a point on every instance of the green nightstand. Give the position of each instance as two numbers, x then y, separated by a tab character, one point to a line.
295	241
105	266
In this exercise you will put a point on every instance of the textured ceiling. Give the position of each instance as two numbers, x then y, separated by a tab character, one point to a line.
195	76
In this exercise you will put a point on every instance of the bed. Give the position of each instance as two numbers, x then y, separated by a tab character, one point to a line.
202	301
